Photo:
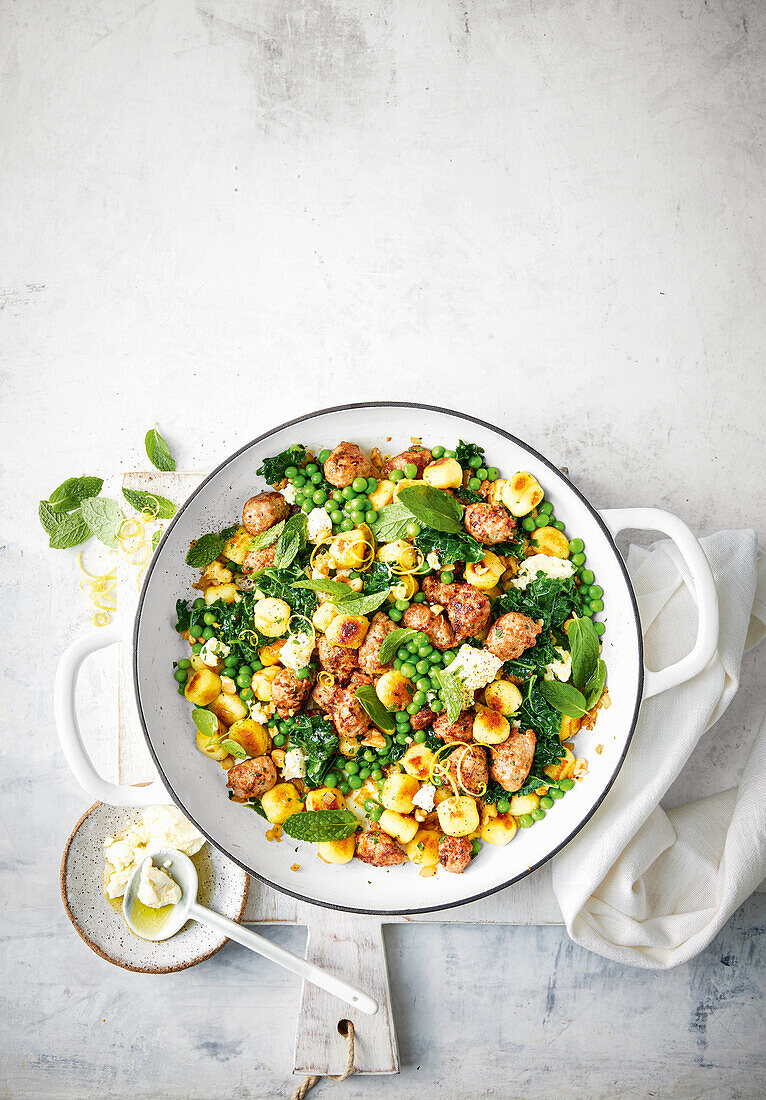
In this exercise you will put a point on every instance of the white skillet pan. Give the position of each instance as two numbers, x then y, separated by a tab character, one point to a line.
189	780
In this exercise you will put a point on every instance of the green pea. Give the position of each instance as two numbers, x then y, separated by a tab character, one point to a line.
403	653
555	793
525	821
528	523
408	670
370	804
358	517
181	690
256	666
557	524
319	497
475	847
231	661
180	676
208	618
246	694
402	718
481	473
364	773
291	471
329	507
184	663
448	657
576	546
413	645
196	647
425	650
243	681
402	605
377	813
577	559
344	788
347	525
398	664
600	628
437	451
541	520
395	475
538	814
587	576
306	506
587	610
419	597
410	470
503	806
303	673
566	784
299	481
336	516
420	736
597	605
546	802
437	706
198	604
359	484
337	494
545	508
279	740
474	463
596	591
272	723
447	576
413	708
493	473
423	683
584	591
323	455
369	754
419	698
354	782
372	484
372	515
331	780
422	666
401	738
376	773
395	615
351	767
412	530
435	659
474	484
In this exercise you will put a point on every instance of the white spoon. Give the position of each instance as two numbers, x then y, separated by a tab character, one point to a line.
184	873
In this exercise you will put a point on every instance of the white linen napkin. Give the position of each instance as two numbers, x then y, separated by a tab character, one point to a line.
641	885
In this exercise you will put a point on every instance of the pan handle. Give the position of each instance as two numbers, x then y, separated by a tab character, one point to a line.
68	726
705	593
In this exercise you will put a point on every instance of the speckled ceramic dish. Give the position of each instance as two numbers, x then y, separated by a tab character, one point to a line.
222	885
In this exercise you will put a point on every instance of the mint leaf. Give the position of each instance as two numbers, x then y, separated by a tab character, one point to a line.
49	518
584	645
103	518
205	721
317	825
71	531
158	451
433	507
255	804
336	589
372	705
451	693
363	605
156	538
594	688
291	541
564	698
392	641
73	491
234	748
266	538
161	507
392	523
208	548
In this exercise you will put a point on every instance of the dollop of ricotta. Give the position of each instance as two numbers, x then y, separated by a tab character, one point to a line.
475	667
288	493
558	568
294	766
214	650
319	525
560	669
159	827
424	798
297	650
155	886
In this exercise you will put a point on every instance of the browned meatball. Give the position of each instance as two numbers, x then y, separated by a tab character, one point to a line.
512	760
358	679
288	693
418	456
323	695
468	768
511	634
344	464
369	651
348	715
460	730
455	853
258	559
489	523
436	626
252	778
338	660
378	848
424	718
436	592
468	612
263	511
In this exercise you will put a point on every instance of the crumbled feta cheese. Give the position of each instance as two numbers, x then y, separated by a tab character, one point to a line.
558	568
261	712
288	493
214	650
561	668
297	650
294	766
319	525
475	667
155	886
434	560
424	798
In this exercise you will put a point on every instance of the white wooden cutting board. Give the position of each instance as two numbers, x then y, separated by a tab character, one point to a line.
348	944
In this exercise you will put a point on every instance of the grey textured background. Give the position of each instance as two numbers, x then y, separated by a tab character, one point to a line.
548	214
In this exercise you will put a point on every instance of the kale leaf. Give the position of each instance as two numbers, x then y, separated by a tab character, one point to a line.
273	469
450	548
278	582
551	599
378	578
319	741
466	451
